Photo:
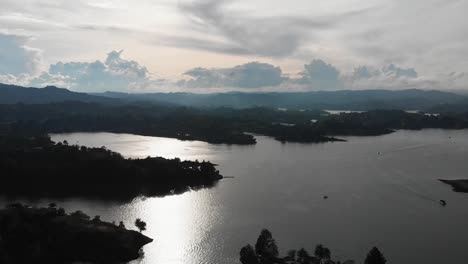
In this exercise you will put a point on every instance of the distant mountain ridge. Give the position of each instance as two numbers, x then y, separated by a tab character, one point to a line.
363	100
333	100
12	94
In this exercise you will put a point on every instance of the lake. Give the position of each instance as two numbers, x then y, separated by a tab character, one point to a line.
383	191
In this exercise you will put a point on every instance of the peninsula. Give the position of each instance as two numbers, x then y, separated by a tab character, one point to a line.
49	235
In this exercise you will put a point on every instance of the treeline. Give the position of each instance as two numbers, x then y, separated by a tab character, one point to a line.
266	252
215	125
378	122
150	120
36	166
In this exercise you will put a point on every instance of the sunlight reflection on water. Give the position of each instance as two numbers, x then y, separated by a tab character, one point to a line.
381	190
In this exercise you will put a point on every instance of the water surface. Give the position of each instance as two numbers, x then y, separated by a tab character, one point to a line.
383	191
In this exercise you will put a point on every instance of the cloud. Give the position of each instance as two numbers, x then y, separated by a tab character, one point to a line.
430	35
398	72
388	71
321	76
114	74
390	76
455	80
243	34
249	75
20	64
16	57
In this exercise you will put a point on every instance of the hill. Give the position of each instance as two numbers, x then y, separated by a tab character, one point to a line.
331	100
364	100
12	94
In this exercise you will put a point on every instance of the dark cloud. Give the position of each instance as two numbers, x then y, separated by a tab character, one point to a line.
249	75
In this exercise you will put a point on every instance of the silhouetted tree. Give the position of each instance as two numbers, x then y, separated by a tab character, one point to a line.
97	219
322	252
326	253
266	245
61	211
80	214
141	225
302	256
121	224
291	255
52	205
375	257
248	256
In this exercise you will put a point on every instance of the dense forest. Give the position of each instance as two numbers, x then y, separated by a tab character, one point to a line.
36	166
215	125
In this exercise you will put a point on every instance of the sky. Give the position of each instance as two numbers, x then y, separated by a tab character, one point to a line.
234	45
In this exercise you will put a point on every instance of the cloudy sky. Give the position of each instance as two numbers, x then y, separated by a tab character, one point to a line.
247	45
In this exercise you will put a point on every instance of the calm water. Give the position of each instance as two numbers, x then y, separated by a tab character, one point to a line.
387	200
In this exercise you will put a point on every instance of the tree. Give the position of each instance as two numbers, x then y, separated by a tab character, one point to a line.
302	256
266	246
375	257
291	255
141	225
248	256
61	211
97	219
121	224
79	214
322	252
326	253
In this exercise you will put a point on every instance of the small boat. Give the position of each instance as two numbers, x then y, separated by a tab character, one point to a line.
443	202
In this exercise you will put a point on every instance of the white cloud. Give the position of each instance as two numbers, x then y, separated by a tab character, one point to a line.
16	57
114	74
429	35
20	64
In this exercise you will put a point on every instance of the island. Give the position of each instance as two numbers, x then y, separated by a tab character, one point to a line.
34	166
49	235
457	185
216	125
